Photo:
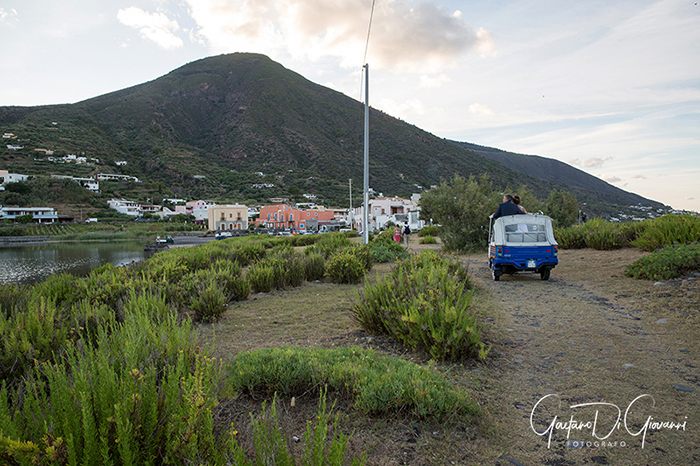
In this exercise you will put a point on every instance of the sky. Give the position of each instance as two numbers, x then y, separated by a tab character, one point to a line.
610	87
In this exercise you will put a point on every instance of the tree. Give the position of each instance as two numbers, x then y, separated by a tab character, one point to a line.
461	207
562	206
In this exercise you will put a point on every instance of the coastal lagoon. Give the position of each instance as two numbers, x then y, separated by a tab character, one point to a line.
23	264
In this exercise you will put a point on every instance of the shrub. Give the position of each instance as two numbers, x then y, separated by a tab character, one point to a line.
425	304
572	237
346	267
667	231
670	262
261	278
12	297
209	302
428	240
328	244
429	230
315	267
603	235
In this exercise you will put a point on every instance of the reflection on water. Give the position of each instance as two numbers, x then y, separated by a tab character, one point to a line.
31	264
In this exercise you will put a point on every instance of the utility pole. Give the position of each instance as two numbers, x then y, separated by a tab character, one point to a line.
350	211
365	210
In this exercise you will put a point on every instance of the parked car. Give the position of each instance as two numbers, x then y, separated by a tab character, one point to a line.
522	244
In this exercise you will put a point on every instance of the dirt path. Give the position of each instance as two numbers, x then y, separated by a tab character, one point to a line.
591	335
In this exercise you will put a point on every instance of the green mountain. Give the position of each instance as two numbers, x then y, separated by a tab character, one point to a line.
209	128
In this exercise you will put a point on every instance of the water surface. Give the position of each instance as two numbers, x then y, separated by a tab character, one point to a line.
30	264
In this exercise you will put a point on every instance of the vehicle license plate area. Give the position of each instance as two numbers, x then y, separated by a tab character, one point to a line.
531	263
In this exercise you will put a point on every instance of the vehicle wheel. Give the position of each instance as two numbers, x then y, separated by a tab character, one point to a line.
495	274
544	274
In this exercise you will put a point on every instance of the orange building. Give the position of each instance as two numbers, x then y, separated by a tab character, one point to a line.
283	216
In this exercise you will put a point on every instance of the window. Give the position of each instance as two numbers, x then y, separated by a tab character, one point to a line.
525	233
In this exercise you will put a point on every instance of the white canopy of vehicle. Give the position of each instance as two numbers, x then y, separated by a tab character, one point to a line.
523	230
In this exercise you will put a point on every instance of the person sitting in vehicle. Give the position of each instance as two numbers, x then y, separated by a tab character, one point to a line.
507	207
516	201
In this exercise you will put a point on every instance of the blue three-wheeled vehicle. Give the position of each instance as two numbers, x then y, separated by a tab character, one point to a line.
522	244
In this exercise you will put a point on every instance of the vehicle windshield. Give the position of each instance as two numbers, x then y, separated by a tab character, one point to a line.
525	233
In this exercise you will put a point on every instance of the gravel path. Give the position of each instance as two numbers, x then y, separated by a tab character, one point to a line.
590	336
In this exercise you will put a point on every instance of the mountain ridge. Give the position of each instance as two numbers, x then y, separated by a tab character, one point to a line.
208	127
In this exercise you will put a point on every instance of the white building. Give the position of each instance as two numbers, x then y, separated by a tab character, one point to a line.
126	207
388	209
39	214
6	177
113	177
90	184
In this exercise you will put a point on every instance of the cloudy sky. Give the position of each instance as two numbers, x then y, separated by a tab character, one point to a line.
611	87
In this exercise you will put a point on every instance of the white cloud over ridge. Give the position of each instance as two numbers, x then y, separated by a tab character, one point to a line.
153	26
407	37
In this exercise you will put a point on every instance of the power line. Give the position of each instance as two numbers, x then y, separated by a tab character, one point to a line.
371	15
364	58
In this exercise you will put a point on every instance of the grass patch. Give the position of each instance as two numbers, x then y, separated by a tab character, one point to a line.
378	384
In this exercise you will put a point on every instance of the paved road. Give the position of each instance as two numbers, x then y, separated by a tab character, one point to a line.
182	241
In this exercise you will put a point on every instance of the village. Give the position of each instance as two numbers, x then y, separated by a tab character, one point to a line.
280	216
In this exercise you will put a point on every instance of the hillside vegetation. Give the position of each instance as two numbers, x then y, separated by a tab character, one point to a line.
209	128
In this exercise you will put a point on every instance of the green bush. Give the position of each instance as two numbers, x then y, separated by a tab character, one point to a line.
315	267
670	262
379	384
209	302
328	244
261	278
667	231
12	297
572	237
603	236
346	266
429	230
425	304
428	239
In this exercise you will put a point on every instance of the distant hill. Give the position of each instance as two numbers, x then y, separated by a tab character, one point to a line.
209	128
587	188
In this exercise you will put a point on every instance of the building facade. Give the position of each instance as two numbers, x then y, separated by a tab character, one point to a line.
39	214
228	217
383	210
286	217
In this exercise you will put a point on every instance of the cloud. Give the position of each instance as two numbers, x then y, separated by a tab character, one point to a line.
428	82
639	176
610	179
480	109
689	198
406	36
595	162
5	15
153	26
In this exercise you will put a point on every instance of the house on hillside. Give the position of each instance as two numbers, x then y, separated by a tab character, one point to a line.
91	184
125	207
11	147
199	209
6	177
39	214
228	217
